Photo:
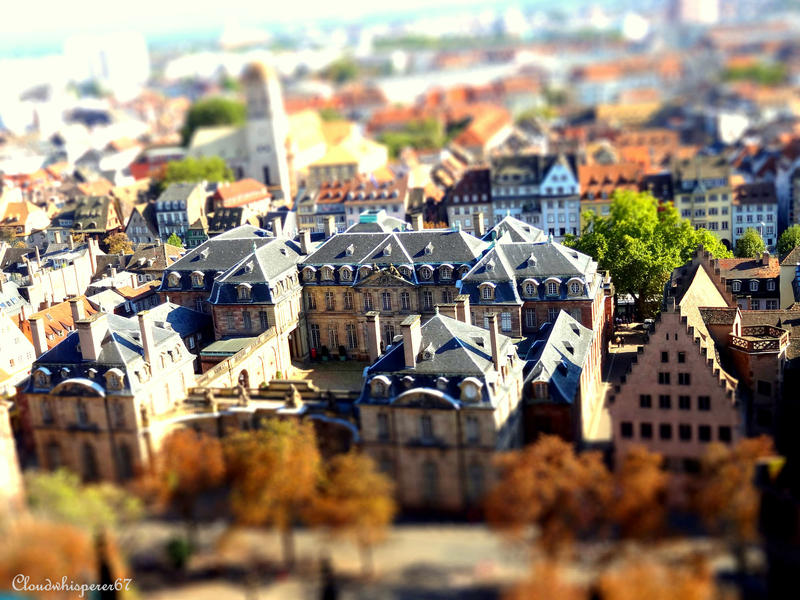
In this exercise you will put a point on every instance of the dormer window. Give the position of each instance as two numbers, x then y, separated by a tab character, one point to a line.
349	250
736	286
463	270
174	280
388	250
115	379
243	291
379	387
441	383
470	389
575	288
425	272
197	279
552	288
364	272
445	272
41	378
327	273
406	272
429	248
345	273
487	291
308	274
753	285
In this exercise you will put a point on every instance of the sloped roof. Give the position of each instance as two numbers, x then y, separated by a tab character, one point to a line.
749	268
512	229
57	321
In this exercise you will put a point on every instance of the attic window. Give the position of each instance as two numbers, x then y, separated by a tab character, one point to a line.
204	253
425	272
490	265
575	329
445	272
575	288
243	291
327	273
427	353
174	280
441	383
248	268
349	250
197	279
308	273
569	348
429	248
388	250
345	273
531	261
478	341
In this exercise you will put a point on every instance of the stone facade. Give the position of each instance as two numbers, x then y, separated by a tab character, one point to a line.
11	491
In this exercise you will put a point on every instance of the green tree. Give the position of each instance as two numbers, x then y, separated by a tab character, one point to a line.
341	70
750	245
330	114
640	243
211	168
418	134
60	496
212	111
174	240
789	240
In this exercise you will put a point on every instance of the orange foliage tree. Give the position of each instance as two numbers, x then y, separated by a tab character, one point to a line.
41	549
274	473
356	500
639	505
546	583
654	581
726	496
188	464
547	485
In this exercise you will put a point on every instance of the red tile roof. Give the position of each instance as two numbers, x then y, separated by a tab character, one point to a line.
600	181
57	321
241	192
749	268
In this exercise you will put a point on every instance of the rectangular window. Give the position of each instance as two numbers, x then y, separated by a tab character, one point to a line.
645	401
348	300
704	433
665	402
472	430
626	429
246	322
263	319
684	403
665	357
505	321
231	322
427	300
426	428
703	403
311	301
552	314
367	301
383	427
646	431
665	431
724	433
387	300
681	357
315	341
530	318
405	301
352	338
685	432
333	337
663	378
684	379
330	301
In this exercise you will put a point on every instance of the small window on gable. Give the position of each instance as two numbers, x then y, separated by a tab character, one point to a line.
445	273
487	292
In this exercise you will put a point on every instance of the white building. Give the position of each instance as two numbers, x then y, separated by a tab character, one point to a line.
756	205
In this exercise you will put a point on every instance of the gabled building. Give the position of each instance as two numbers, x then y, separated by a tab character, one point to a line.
437	407
599	182
246	192
703	194
142	227
96	217
472	194
56	323
753	282
180	205
756	205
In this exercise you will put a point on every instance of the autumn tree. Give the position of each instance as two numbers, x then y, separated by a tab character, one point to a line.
187	464
726	496
750	245
118	243
274	473
548	486
638	508
639	579
641	242
789	240
547	582
355	500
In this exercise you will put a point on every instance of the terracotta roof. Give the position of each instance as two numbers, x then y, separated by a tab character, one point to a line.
483	127
595	180
130	293
57	321
241	192
749	268
99	187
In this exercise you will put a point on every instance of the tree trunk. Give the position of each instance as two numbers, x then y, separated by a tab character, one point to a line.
367	565
287	545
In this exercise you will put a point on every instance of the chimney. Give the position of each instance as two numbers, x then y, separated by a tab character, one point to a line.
305	241
478	224
448	310
57	236
76	307
37	332
373	335
23	311
417	222
276	227
148	341
462	309
412	339
38	258
765	259
330	226
492	317
113	274
71	242
92	331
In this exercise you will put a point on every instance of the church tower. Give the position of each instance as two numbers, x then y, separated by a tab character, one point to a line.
267	128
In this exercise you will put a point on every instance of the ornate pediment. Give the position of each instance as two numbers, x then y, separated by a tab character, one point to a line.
385	277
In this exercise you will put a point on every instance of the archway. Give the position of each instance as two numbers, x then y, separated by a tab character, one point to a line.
244	378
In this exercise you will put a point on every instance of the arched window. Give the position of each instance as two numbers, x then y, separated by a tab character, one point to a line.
41	379
446	273
425	272
575	288
736	286
174	280
530	289
197	279
243	291
308	274
487	293
552	288
345	274
753	285
327	273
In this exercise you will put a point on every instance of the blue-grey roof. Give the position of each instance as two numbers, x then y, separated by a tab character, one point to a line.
184	321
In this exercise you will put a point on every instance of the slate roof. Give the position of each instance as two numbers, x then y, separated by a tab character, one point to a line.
91	214
177	192
530	168
507	266
161	255
557	355
225	219
515	231
121	348
180	319
458	350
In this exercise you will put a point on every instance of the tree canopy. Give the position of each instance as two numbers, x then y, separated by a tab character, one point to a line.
212	111
789	240
419	134
640	243
341	70
118	243
175	240
211	168
750	245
